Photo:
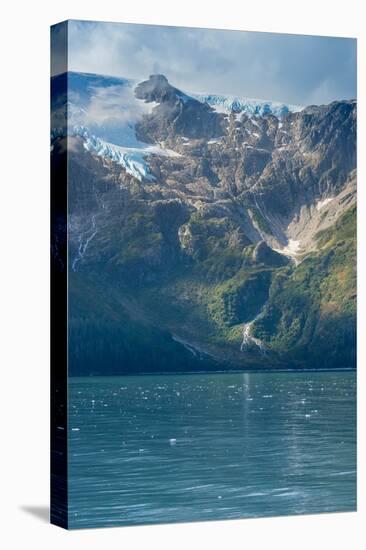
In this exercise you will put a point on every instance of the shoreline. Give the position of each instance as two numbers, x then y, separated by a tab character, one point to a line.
183	373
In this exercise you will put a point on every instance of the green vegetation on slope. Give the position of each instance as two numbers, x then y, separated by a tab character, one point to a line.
311	312
196	275
239	299
109	334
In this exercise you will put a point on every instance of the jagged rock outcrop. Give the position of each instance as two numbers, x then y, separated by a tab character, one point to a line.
176	114
263	254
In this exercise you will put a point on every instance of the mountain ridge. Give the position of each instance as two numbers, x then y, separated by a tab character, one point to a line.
210	231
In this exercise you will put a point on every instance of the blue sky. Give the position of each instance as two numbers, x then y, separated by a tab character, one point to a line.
295	69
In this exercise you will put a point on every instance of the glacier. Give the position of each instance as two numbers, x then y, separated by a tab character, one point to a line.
103	112
251	107
132	159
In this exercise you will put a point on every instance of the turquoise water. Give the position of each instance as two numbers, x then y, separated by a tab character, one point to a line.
155	449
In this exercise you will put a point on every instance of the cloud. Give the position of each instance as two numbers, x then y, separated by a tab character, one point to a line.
112	104
292	68
109	112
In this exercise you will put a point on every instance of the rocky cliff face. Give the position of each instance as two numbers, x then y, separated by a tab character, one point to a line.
234	247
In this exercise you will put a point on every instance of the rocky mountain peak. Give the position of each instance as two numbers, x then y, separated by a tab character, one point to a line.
158	89
158	78
176	113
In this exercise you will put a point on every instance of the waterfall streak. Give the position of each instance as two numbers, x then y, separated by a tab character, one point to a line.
83	245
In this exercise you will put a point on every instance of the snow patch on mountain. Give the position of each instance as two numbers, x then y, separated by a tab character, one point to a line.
322	203
292	250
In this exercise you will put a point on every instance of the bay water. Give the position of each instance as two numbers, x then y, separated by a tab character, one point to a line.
175	448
